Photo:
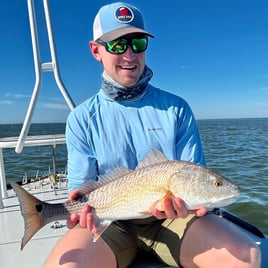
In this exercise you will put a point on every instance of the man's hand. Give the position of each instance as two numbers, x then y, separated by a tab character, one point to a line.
85	219
174	207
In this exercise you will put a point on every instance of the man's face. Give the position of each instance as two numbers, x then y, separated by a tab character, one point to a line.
126	69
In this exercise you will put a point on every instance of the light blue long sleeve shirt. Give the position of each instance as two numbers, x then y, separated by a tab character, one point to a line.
103	134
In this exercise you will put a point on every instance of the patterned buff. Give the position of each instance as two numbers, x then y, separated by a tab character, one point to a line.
120	93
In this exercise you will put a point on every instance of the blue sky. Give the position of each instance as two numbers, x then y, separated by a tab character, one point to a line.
213	53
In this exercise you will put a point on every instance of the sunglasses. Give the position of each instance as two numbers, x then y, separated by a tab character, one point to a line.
120	45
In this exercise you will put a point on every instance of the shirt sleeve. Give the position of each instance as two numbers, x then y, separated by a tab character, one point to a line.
82	165
188	142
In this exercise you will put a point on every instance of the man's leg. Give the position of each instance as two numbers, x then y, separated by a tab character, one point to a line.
213	242
76	249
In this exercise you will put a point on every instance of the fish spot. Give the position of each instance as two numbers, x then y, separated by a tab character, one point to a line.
39	207
218	183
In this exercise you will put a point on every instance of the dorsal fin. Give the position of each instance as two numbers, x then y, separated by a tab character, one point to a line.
153	157
103	179
113	175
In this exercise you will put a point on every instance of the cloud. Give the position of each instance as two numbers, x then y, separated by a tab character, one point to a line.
263	104
17	96
57	99
6	102
264	89
54	106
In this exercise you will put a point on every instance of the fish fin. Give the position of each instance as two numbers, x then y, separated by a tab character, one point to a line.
145	212
153	157
31	209
114	175
103	180
101	227
158	204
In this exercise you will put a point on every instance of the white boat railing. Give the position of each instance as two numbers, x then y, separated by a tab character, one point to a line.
40	68
11	142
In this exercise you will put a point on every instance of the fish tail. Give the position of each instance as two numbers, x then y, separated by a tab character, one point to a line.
31	210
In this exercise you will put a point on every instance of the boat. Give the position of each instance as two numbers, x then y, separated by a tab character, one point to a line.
53	188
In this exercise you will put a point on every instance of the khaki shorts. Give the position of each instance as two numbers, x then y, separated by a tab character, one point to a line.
162	238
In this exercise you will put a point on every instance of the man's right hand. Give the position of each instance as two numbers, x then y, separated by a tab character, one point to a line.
85	218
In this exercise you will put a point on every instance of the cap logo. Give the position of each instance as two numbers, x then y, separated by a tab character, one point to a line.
124	14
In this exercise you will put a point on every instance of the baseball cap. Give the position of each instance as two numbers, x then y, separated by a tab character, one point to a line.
117	19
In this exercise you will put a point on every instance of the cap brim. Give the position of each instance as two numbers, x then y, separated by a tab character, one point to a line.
122	31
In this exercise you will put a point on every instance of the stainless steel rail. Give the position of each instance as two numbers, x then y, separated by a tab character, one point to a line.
40	68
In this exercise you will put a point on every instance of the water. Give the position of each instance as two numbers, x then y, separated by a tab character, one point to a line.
235	148
238	149
33	159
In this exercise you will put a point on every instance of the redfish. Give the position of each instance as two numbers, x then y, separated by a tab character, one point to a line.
132	194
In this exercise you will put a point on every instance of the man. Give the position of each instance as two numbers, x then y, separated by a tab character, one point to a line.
118	127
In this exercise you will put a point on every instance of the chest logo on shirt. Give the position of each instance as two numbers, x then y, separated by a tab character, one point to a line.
154	128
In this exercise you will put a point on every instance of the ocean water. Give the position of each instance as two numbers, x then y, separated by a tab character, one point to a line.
238	150
235	148
33	160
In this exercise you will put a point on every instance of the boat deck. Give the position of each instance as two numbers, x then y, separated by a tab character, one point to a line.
12	229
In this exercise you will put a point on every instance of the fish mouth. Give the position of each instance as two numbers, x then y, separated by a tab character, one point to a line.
216	203
223	202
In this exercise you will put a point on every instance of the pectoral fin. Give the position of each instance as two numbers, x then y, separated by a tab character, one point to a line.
101	227
158	204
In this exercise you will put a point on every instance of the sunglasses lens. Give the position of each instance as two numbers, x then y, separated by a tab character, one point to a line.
118	46
139	44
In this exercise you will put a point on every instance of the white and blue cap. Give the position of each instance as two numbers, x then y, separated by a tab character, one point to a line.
117	19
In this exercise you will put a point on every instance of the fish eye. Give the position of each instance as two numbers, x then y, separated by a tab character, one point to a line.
218	183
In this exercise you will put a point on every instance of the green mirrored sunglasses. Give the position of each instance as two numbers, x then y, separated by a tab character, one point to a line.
120	45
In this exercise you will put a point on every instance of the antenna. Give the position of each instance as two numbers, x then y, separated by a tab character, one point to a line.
40	68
